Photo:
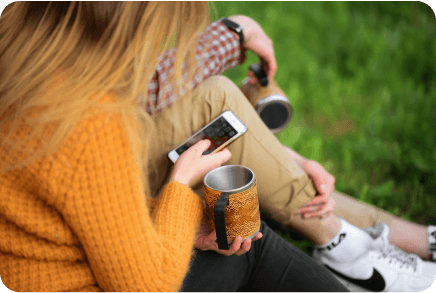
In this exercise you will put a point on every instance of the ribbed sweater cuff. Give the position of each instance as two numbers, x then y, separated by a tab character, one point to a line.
178	213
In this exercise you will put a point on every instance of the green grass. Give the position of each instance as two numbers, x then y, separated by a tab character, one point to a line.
361	77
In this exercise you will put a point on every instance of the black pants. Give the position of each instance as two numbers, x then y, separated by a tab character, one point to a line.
272	264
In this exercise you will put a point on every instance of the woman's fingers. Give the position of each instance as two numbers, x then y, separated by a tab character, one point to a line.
237	247
317	200
328	208
318	210
312	208
234	247
246	245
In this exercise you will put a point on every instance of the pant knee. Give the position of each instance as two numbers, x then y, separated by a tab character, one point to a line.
227	84
221	82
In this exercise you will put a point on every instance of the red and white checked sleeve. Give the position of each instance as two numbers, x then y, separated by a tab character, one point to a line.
216	51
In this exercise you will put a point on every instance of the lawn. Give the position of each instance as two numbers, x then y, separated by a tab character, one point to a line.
361	77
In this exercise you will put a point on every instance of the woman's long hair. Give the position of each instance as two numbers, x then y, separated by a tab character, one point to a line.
59	58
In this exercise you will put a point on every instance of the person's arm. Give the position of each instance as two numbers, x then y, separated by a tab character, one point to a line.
217	50
128	248
322	205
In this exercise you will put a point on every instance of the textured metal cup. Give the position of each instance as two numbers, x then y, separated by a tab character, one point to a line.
232	205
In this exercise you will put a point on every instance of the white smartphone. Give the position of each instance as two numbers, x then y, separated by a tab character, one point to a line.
221	131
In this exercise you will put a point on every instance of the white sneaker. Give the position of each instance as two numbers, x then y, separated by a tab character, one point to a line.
382	267
431	234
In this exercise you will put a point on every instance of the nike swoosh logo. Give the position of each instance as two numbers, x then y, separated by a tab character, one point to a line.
375	283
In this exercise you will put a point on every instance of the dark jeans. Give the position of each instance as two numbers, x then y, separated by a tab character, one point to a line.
272	264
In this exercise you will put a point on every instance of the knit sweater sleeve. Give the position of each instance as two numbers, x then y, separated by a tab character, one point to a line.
128	248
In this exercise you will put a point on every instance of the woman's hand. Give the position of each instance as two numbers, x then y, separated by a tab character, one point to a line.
259	43
322	205
206	240
193	165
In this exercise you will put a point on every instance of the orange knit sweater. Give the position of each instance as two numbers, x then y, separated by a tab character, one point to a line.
79	221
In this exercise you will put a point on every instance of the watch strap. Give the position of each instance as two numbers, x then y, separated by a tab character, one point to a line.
234	27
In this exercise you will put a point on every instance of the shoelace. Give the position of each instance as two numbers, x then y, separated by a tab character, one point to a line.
394	254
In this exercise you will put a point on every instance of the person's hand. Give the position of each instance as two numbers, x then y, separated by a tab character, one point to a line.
193	165
322	205
259	43
206	240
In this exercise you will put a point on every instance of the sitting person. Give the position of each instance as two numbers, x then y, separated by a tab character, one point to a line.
285	190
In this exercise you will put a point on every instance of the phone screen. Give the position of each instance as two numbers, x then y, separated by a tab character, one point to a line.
218	133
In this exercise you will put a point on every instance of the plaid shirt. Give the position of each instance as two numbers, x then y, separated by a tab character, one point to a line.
217	50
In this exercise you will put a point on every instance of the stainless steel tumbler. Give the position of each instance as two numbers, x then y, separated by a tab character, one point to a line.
268	99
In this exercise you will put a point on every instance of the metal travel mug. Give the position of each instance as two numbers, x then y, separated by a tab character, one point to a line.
232	205
268	99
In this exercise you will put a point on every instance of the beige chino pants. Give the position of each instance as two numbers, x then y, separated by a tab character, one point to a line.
283	186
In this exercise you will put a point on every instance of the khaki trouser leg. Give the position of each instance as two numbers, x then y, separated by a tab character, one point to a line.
282	185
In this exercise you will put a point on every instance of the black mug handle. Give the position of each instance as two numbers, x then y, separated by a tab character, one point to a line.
220	220
260	73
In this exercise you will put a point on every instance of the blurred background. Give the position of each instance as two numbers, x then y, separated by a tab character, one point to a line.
361	77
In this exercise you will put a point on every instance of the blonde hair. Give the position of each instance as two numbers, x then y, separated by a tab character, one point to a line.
100	48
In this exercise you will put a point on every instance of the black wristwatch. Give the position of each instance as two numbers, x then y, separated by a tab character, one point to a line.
234	27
